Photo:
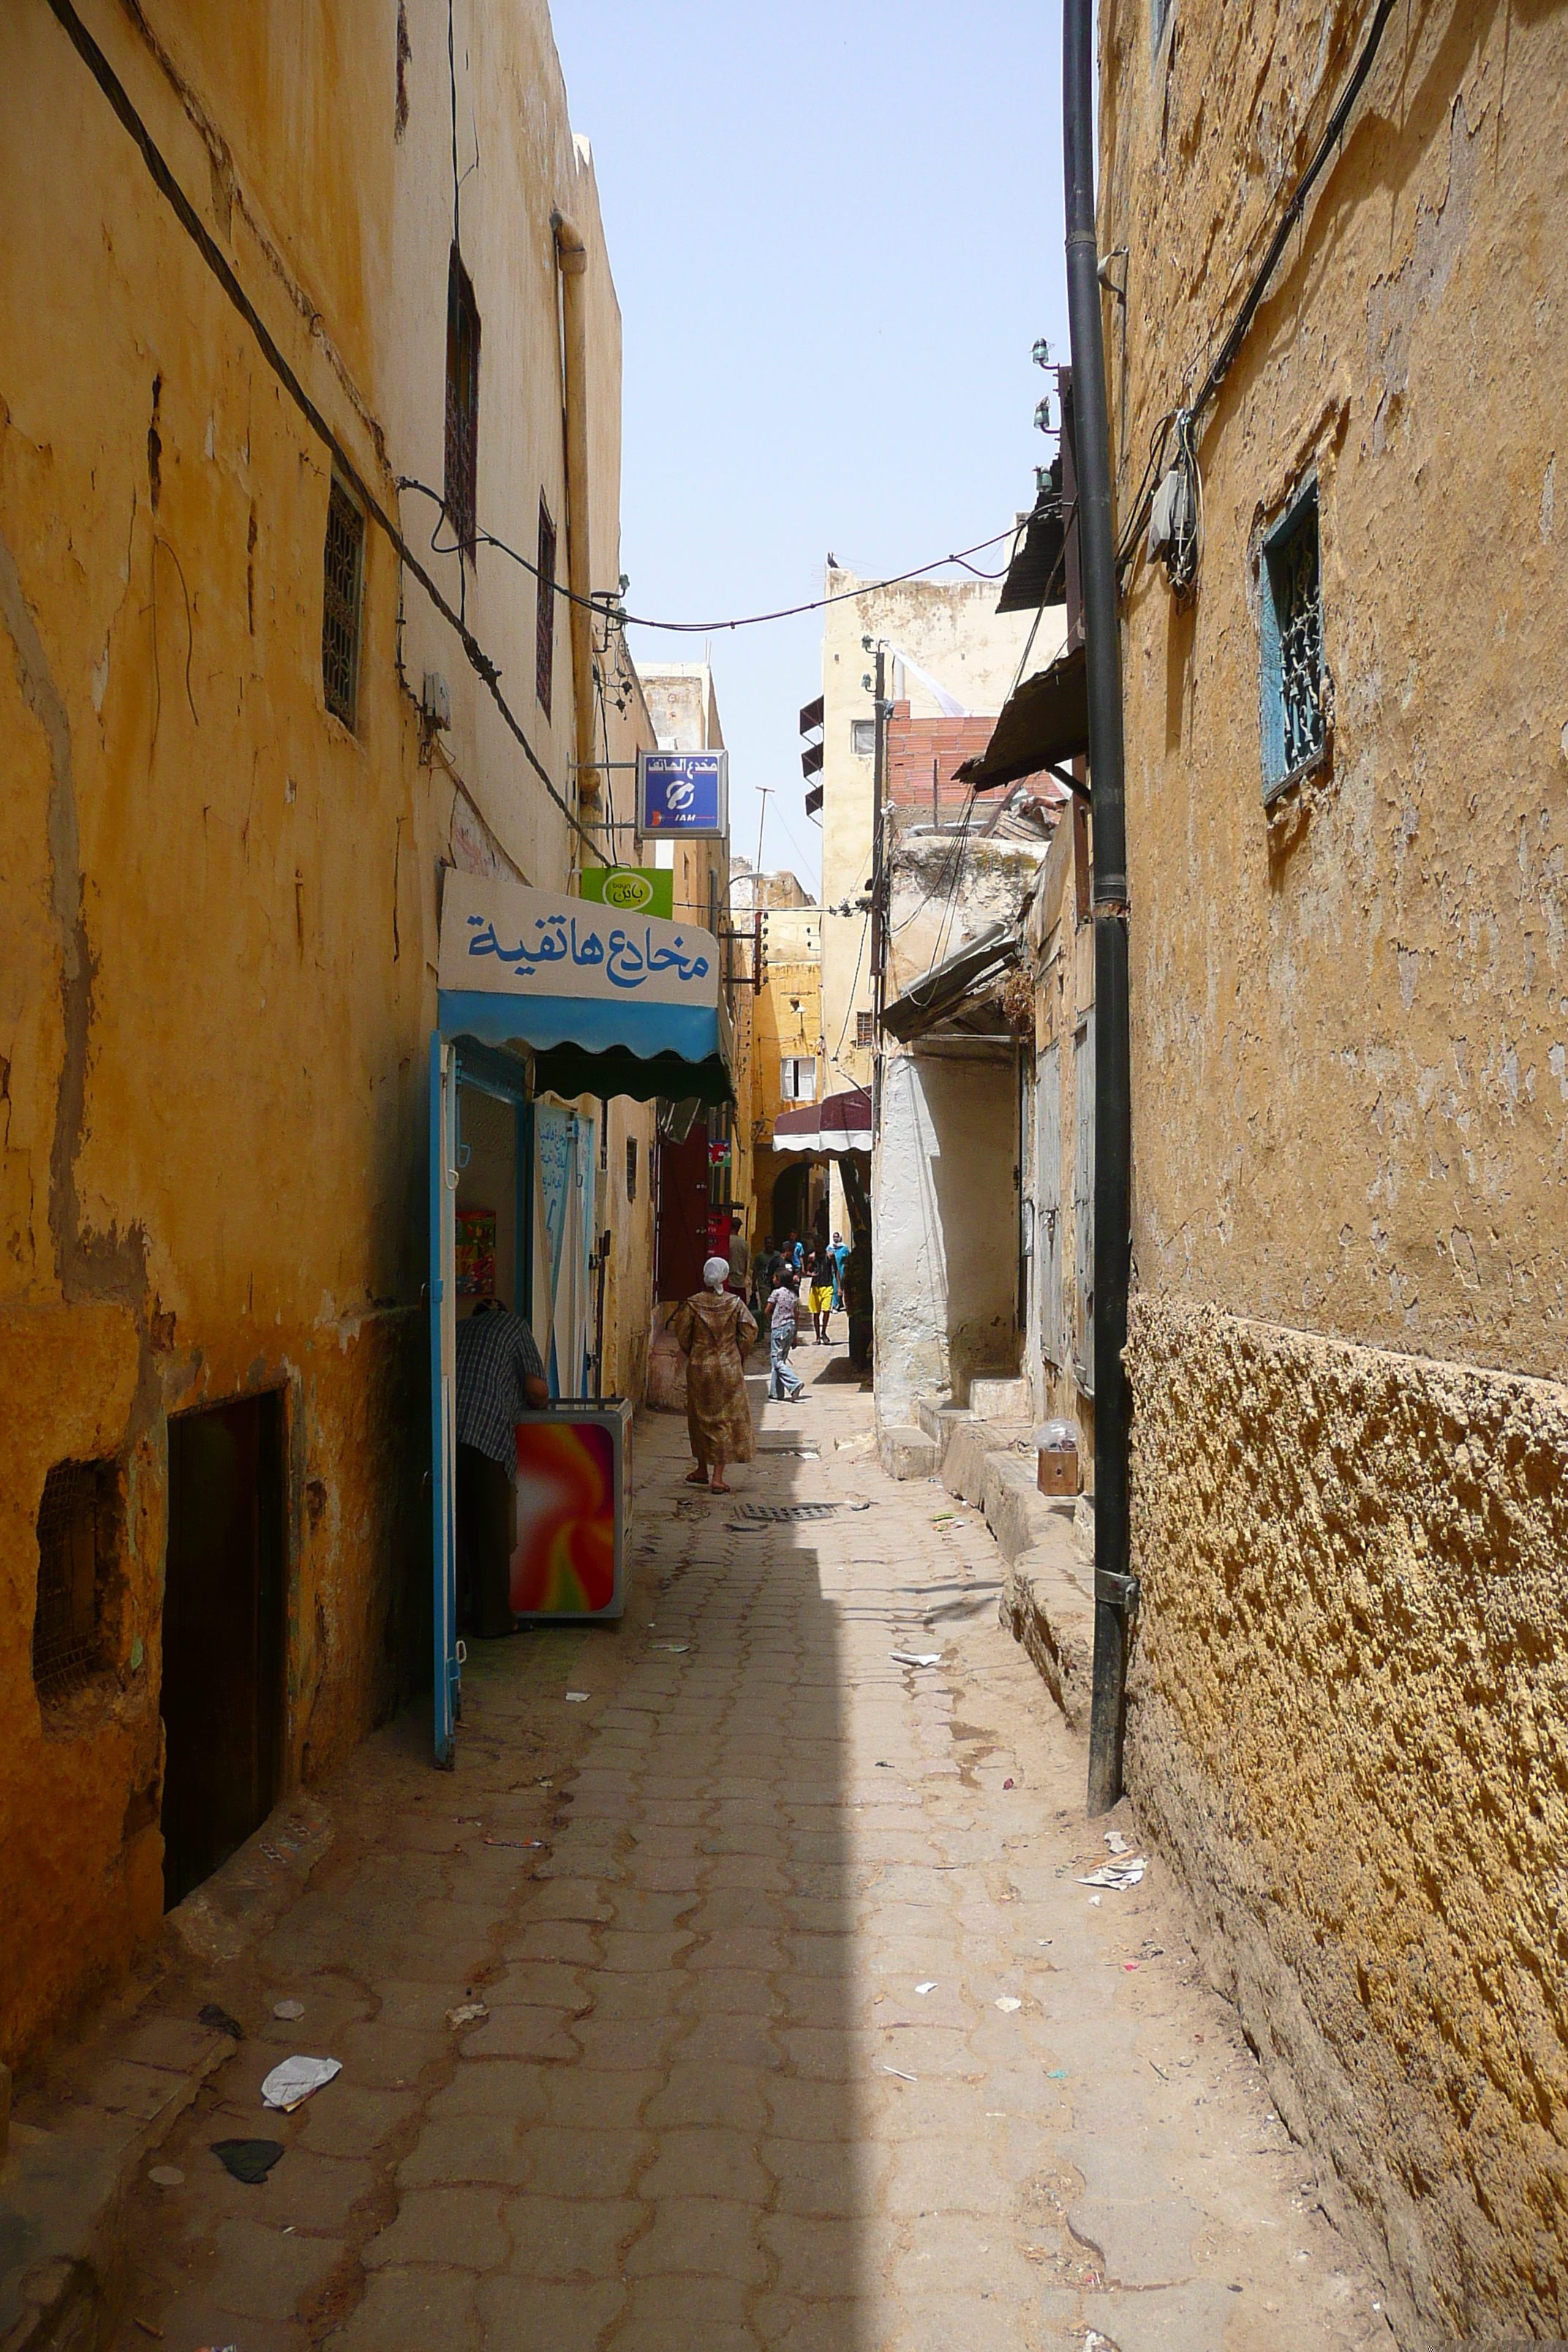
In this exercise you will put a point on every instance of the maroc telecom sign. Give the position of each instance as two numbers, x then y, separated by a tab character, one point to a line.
684	795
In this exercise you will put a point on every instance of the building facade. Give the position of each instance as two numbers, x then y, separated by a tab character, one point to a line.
787	1186
1347	798
244	747
947	653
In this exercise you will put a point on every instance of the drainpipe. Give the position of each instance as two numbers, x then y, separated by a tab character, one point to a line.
572	256
1115	1592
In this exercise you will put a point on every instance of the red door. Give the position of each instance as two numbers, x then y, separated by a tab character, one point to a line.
681	1241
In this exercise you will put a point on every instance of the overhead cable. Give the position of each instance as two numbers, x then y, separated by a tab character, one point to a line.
1252	299
609	607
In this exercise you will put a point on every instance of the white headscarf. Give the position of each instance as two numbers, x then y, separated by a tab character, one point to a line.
716	1272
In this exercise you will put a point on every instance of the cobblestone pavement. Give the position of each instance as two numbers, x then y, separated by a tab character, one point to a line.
801	2030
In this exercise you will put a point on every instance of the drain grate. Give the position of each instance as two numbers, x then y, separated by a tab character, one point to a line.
762	1515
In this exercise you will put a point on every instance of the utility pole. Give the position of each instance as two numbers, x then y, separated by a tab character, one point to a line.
763	793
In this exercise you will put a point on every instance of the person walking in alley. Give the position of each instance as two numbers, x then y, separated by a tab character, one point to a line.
819	1295
716	1331
762	1278
837	1259
740	1262
782	1306
499	1377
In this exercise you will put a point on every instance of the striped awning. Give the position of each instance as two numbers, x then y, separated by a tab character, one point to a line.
837	1124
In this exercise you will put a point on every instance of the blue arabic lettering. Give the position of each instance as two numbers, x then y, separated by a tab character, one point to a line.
625	966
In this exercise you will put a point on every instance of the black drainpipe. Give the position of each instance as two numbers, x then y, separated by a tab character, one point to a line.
1115	1591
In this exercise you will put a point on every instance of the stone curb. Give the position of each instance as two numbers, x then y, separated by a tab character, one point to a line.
63	2186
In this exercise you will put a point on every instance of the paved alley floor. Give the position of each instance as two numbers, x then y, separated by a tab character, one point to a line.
796	2030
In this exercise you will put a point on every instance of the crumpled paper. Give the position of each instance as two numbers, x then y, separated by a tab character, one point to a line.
291	2083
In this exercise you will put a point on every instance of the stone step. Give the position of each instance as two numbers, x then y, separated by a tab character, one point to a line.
906	1452
939	1418
999	1400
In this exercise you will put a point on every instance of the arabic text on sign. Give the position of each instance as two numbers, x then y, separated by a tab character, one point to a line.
625	965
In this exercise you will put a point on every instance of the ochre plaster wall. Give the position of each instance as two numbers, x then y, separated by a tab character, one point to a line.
1346	1725
1350	1024
219	904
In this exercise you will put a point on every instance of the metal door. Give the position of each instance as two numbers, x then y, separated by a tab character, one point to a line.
1083	1201
1049	1203
446	1662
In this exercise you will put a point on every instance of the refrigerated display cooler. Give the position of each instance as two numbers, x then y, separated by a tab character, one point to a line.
573	1511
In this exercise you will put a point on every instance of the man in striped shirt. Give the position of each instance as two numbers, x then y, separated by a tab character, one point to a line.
499	1377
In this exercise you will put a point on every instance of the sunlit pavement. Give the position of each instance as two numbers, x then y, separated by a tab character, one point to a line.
799	2029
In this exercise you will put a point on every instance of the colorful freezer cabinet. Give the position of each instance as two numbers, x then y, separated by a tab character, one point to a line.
573	1510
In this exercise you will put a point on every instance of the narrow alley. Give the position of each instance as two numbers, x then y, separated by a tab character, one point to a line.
738	1989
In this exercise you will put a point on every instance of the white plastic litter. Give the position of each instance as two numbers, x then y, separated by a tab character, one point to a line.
468	2013
675	1648
291	2083
578	1698
1117	1842
915	1657
929	1987
288	2010
1116	1874
1009	2002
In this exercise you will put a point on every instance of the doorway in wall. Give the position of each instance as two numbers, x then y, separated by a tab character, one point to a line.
224	1646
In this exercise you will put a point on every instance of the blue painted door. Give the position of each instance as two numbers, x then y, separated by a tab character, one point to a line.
443	1338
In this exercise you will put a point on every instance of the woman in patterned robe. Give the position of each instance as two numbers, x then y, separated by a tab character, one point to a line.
716	1331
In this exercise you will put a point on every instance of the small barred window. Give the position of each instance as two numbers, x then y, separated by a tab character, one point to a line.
78	1559
343	592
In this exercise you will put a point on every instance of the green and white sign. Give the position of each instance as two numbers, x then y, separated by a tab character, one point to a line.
632	889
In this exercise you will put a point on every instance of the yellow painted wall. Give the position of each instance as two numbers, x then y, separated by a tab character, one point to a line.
1349	1116
219	903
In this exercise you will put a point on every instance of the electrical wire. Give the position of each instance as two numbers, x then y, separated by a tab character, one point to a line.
1293	210
1235	334
163	179
608	608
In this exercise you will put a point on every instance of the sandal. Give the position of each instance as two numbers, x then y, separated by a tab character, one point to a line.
697	1477
719	1487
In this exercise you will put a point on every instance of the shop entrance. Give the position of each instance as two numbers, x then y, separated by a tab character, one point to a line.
222	1698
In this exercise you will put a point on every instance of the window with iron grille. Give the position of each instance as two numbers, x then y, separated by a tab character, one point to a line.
631	1168
1295	730
462	404
342	589
544	612
79	1523
864	1029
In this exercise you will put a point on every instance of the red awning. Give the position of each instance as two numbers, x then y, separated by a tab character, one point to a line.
837	1124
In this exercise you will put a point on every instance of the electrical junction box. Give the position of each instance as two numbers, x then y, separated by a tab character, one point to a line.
435	700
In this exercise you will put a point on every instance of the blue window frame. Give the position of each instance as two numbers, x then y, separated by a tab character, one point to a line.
1295	730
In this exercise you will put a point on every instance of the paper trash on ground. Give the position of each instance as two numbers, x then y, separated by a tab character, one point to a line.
1117	1842
915	1657
577	1698
1009	2002
468	2013
929	1987
1116	1874
291	2083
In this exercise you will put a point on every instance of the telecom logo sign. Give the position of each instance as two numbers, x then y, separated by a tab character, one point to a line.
683	793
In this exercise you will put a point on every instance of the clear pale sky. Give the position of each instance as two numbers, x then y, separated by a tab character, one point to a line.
836	233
